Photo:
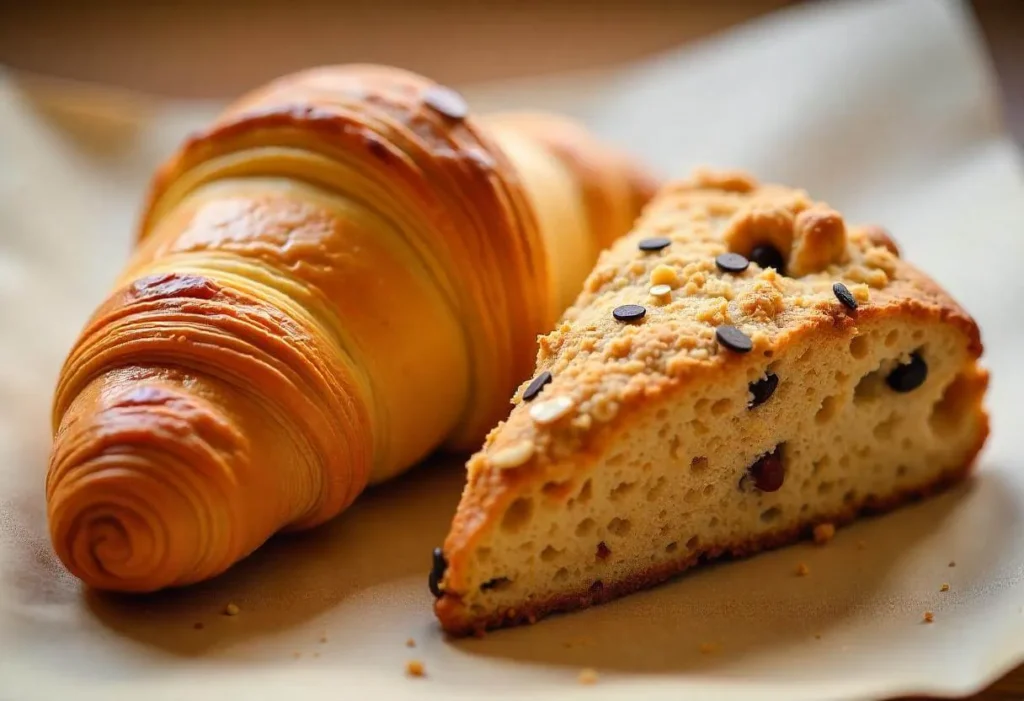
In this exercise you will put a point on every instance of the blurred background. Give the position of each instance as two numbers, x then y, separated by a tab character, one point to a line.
197	48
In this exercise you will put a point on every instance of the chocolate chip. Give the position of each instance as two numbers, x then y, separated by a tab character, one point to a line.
534	388
602	551
629	312
734	339
732	263
446	101
909	376
843	294
768	256
437	573
768	472
763	389
655	243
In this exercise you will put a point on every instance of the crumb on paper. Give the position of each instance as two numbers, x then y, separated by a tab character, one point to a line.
316	654
802	570
952	563
410	643
944	587
415	668
198	625
817	636
708	648
824	532
929	616
323	638
587	676
231	610
861	545
296	654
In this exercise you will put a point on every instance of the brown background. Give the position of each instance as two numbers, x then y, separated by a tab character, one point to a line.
217	49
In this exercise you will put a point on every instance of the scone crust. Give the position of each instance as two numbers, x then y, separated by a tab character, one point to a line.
612	369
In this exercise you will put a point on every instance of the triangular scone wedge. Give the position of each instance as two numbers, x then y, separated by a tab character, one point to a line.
732	409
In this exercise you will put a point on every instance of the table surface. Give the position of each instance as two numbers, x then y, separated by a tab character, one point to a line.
235	45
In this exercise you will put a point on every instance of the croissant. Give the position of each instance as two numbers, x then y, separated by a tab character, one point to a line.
345	272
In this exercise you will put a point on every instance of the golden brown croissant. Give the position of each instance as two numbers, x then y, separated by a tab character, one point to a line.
344	273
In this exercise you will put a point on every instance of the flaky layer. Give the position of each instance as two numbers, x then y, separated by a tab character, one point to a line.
343	273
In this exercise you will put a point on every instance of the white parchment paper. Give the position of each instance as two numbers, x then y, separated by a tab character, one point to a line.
885	109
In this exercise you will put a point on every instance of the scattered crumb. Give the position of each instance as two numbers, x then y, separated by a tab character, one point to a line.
410	643
952	563
587	676
802	570
316	654
861	545
824	532
231	610
199	625
708	648
817	636
944	587
415	668
929	616
296	654
323	638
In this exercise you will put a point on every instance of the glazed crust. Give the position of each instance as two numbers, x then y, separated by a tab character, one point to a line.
346	271
614	371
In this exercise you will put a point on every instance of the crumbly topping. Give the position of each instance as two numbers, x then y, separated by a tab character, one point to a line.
601	364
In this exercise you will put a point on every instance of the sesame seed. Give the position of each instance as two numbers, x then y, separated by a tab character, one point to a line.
551	410
513	455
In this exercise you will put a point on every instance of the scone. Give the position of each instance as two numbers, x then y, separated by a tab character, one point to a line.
743	367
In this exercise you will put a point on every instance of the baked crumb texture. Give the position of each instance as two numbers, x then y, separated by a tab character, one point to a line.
415	668
744	409
823	533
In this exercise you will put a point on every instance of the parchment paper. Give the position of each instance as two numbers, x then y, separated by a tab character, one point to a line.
884	109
